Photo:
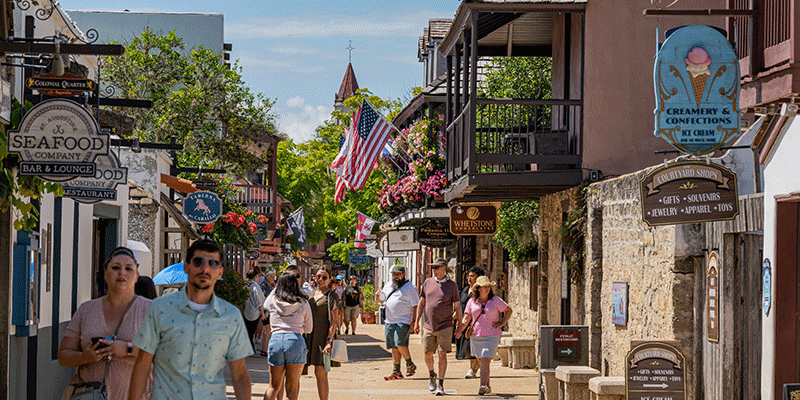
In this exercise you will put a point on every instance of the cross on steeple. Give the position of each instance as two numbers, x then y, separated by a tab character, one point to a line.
350	49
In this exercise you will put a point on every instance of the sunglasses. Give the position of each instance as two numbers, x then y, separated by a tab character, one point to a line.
483	308
321	277
438	266
200	261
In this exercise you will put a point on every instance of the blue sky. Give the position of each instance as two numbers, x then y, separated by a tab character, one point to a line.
294	52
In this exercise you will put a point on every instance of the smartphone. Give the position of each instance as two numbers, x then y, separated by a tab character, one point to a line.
97	339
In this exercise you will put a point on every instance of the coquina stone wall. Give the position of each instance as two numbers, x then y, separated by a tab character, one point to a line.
658	263
524	321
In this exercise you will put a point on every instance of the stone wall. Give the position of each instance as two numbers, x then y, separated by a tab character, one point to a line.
659	265
524	321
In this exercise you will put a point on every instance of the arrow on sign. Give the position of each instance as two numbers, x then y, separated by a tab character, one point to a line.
568	351
663	385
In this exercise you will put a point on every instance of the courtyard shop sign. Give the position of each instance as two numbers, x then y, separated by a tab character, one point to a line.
697	90
103	185
202	207
687	192
473	219
655	370
58	140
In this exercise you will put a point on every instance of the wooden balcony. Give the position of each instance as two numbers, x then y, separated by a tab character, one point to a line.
768	46
519	149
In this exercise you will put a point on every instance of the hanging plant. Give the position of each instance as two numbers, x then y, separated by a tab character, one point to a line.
516	230
237	225
232	288
572	235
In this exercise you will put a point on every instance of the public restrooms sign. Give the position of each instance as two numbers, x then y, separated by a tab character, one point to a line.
58	141
697	90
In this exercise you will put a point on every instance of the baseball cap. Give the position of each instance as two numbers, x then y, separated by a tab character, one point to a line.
399	268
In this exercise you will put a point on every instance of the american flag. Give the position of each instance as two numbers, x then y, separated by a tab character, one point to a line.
341	190
368	137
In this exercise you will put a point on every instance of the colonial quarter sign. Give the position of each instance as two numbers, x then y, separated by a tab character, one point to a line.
697	90
58	140
689	191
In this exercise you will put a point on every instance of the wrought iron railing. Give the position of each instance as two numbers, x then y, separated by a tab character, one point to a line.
515	135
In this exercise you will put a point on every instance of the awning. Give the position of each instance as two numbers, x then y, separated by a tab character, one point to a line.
179	184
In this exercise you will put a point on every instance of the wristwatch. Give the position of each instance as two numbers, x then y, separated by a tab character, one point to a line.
130	348
328	339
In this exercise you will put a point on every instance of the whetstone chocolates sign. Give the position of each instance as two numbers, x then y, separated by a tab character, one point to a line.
689	191
473	220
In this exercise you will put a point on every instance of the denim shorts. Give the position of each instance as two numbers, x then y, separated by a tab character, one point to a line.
397	335
286	348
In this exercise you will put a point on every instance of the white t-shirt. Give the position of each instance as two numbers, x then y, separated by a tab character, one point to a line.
400	305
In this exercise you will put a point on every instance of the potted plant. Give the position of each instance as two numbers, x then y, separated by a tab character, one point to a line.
370	305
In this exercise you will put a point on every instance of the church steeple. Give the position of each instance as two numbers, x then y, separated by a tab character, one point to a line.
347	89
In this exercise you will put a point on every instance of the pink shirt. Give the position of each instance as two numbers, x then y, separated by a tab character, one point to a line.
483	325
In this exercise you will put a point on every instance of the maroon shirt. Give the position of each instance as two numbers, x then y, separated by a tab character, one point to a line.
439	300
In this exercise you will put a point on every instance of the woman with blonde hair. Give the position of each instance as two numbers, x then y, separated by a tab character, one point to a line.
483	322
98	338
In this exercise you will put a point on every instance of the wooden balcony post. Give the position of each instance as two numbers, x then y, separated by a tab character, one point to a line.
473	93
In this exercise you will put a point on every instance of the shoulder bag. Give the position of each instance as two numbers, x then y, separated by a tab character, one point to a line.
338	346
97	390
468	333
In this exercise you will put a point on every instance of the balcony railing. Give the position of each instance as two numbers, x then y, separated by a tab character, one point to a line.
258	199
515	135
773	41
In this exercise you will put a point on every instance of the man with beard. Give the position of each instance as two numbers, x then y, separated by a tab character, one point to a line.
400	298
187	337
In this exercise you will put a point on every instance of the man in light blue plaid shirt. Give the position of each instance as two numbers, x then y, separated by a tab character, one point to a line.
188	337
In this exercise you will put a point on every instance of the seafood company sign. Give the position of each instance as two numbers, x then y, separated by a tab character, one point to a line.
58	141
697	90
202	207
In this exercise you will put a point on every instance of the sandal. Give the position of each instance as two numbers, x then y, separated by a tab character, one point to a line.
394	375
411	370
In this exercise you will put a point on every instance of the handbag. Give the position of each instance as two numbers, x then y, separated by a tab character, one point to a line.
339	351
97	390
338	346
468	333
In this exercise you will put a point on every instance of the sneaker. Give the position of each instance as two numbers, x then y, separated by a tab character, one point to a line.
393	376
432	383
470	374
439	390
411	370
483	390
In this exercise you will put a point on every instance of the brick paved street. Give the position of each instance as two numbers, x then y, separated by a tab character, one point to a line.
362	378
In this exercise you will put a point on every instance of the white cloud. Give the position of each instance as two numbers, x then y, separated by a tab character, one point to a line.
295	101
327	26
301	122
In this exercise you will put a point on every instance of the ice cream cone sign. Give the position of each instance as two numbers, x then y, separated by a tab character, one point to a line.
697	62
696	82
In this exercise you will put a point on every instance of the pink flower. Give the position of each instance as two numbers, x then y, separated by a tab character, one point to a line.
252	228
238	220
208	228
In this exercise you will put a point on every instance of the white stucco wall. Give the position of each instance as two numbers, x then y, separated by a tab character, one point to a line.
780	179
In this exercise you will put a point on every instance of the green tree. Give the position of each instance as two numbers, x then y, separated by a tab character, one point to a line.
196	98
305	178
